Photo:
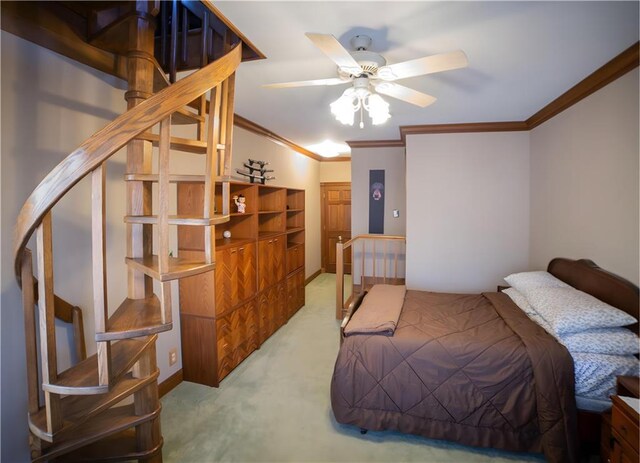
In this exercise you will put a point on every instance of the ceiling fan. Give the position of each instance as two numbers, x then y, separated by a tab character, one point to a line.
369	75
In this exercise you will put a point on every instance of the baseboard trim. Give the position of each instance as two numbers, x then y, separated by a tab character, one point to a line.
171	382
312	277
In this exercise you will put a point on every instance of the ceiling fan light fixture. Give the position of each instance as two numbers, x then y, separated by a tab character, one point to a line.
378	109
343	109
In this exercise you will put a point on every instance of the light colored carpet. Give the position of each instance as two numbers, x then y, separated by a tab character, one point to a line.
275	406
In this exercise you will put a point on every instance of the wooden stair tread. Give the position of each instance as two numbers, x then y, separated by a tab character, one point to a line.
185	116
82	379
178	267
110	422
178	219
180	144
76	409
121	446
174	178
135	318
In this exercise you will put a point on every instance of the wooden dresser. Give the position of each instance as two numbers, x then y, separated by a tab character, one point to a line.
258	282
620	428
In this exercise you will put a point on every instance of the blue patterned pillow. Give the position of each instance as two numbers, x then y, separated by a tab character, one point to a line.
612	341
569	310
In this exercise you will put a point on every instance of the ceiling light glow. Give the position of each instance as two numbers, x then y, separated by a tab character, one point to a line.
330	149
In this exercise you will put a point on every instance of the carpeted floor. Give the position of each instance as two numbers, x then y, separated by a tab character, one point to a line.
275	406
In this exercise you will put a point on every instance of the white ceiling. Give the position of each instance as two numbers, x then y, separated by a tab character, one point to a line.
522	55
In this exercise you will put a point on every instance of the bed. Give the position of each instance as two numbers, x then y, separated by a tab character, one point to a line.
471	368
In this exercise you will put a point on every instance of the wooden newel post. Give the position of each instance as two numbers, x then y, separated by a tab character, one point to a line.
339	278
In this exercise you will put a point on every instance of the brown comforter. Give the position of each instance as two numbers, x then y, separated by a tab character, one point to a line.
468	368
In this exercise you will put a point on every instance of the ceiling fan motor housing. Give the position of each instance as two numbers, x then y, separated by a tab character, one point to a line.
369	61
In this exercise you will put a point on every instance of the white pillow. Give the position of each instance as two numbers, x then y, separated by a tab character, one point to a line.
528	280
612	341
569	311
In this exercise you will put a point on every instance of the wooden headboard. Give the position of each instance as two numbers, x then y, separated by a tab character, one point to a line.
586	276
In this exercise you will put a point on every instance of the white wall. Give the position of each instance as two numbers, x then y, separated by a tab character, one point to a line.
335	171
392	161
584	178
467	210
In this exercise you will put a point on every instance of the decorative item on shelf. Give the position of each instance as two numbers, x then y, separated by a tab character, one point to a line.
260	171
226	234
240	203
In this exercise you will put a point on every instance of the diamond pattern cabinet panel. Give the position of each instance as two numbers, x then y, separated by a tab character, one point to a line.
226	280
265	260
237	337
246	271
279	258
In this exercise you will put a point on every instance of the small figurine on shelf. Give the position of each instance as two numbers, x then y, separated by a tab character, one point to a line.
240	203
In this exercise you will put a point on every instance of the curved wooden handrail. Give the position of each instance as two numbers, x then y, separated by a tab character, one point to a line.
107	141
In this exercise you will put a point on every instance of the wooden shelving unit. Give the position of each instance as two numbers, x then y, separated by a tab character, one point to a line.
258	282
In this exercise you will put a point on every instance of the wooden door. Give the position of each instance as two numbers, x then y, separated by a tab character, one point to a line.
336	222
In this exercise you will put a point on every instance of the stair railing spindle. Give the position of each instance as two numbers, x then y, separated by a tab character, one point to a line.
163	195
28	304
46	307
99	268
173	49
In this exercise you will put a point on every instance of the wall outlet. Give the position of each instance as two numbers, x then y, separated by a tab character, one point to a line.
396	213
173	356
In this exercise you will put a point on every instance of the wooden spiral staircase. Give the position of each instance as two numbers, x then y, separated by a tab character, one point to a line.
106	407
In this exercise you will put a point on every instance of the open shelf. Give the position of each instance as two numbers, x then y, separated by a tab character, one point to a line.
295	199
271	198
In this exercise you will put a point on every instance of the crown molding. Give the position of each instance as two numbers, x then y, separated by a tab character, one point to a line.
617	67
251	126
375	143
509	126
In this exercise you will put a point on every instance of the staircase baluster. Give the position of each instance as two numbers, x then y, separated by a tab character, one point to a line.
185	33
98	249
164	21
28	303
163	195
202	111
228	119
213	129
204	57
46	307
173	55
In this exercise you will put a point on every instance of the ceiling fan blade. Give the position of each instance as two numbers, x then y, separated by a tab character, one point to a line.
405	94
308	83
330	46
426	65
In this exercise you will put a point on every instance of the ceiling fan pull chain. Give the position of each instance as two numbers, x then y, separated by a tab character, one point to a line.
361	117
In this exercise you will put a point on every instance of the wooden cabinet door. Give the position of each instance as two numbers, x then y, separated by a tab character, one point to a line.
263	316
281	303
237	337
246	271
299	289
265	257
279	246
226	293
291	295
